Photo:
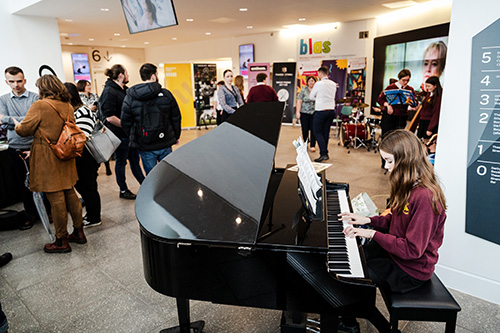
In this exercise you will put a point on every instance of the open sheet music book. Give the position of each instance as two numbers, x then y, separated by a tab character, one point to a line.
400	96
309	180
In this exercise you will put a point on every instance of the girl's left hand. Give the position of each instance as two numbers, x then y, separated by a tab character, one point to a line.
359	232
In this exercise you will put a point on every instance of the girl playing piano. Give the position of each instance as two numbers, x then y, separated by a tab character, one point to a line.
405	242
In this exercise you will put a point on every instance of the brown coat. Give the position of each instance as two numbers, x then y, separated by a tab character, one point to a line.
47	172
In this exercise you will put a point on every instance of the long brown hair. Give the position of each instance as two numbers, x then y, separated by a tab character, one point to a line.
411	168
50	86
238	81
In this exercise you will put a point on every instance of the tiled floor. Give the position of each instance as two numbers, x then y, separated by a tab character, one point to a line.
100	287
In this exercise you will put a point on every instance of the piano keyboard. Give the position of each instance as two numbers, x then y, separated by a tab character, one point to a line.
343	253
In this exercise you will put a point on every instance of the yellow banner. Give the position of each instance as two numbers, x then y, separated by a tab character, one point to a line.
178	81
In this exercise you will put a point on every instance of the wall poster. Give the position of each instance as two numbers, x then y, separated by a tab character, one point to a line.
178	81
483	157
205	82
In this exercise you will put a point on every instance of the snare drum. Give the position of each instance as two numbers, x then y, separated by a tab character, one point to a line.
373	122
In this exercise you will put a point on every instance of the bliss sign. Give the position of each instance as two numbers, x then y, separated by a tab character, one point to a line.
308	47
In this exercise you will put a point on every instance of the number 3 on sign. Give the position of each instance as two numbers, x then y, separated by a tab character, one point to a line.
486	80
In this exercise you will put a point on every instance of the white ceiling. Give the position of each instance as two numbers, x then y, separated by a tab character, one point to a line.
222	18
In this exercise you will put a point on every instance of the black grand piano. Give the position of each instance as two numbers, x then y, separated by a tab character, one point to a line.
220	223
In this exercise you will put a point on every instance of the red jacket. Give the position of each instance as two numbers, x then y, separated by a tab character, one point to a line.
431	112
261	93
414	236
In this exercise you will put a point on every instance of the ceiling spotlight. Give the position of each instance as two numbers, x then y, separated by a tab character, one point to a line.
104	9
302	19
146	42
124	45
91	39
174	38
70	43
189	20
208	33
243	9
68	20
116	34
249	27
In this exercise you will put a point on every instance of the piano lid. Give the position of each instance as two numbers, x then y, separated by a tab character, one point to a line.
214	188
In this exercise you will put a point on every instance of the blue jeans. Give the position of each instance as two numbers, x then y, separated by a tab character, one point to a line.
322	121
150	158
122	154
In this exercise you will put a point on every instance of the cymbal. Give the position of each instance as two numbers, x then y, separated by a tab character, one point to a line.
344	100
360	105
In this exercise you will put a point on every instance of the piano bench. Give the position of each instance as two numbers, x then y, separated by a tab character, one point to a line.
431	302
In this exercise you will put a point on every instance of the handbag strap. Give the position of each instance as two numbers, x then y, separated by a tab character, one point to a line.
67	119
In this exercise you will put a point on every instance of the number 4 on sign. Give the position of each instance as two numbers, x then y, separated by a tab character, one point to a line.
486	80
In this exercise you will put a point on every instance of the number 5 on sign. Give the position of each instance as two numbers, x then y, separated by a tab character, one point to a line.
486	57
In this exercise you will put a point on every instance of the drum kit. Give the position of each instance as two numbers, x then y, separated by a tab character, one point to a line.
356	129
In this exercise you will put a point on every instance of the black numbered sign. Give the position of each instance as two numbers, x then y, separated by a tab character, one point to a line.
483	157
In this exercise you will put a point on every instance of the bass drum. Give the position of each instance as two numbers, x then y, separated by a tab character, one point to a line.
350	131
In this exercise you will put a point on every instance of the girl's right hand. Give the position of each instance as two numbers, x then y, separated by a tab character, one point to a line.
353	218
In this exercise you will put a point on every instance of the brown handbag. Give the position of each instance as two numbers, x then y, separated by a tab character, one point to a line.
71	141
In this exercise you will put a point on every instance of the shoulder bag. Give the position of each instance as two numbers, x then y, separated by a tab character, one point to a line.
102	143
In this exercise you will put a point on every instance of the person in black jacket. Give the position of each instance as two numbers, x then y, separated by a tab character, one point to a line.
110	104
151	118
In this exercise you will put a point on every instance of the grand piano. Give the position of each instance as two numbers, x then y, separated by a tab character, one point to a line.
220	223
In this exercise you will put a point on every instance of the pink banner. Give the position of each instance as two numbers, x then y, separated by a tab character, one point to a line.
255	68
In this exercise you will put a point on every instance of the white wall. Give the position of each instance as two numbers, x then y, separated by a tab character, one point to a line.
467	263
28	42
131	59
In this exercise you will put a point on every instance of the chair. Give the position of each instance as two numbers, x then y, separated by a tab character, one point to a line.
431	302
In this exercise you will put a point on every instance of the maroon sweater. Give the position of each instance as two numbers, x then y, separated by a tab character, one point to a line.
399	109
431	112
261	93
413	237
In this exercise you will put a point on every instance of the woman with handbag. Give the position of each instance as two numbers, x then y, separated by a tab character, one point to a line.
86	165
49	174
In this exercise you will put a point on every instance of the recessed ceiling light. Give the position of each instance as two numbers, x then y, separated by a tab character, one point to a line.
70	43
104	9
174	38
249	27
64	34
399	4
116	34
302	19
146	42
243	9
91	39
208	33
68	20
124	45
189	20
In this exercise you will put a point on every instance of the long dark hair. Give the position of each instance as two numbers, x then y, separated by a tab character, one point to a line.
75	100
49	86
434	80
411	168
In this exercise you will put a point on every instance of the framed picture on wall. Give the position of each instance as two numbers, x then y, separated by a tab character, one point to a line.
246	57
81	68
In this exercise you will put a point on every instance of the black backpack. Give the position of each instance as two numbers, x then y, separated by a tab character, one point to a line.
152	127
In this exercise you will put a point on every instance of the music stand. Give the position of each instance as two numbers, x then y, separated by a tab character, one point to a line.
400	97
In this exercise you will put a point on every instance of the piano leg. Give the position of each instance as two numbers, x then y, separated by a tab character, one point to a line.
378	320
328	322
185	326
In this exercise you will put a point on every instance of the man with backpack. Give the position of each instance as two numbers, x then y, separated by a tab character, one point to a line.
151	118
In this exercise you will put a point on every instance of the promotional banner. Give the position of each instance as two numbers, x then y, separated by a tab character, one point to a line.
178	81
255	68
356	79
337	73
205	80
284	76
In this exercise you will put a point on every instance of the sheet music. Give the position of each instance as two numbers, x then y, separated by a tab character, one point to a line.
307	175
